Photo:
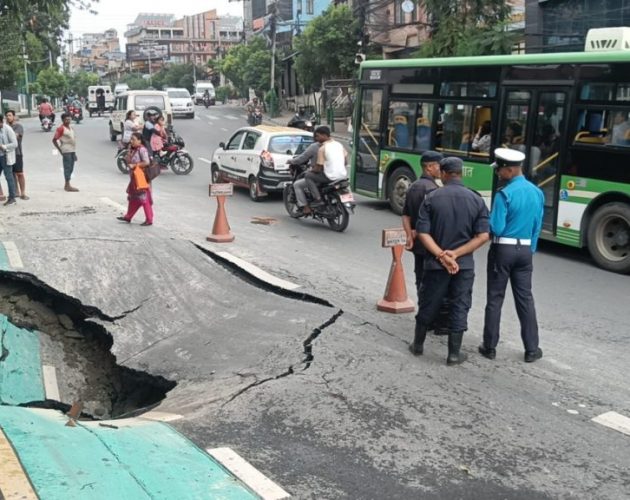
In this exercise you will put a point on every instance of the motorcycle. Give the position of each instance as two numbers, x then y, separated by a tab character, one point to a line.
174	156
47	123
255	117
337	197
75	112
206	101
302	122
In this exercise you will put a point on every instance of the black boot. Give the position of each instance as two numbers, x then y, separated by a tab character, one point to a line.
417	346
454	345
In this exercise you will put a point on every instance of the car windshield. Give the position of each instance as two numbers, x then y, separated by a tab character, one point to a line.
178	94
145	101
289	144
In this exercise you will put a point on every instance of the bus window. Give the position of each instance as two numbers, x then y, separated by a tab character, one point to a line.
516	110
461	125
603	127
424	120
400	124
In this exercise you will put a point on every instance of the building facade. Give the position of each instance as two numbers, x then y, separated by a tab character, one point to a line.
96	52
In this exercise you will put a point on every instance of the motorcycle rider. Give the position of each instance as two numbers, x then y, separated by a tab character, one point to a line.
149	129
251	107
206	98
45	109
308	156
298	117
330	165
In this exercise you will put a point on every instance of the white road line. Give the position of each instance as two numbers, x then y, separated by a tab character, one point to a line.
232	117
559	364
224	129
112	203
205	160
197	117
253	478
161	416
258	272
615	421
14	482
15	261
51	386
212	117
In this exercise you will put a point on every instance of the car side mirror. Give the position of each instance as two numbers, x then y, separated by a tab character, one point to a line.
222	145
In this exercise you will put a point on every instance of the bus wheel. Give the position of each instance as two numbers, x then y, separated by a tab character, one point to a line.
609	237
397	187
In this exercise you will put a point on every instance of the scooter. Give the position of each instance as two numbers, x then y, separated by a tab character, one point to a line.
47	123
338	201
302	122
75	112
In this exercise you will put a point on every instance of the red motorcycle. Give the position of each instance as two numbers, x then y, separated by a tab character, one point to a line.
75	112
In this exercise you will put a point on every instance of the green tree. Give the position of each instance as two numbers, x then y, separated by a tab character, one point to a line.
468	27
51	82
327	47
80	81
248	66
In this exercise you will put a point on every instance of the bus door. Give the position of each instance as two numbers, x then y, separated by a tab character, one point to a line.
368	139
534	122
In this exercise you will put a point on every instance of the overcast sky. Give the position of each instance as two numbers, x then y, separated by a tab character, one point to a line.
118	14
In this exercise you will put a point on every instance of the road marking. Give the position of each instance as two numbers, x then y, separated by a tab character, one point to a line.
197	117
15	261
212	117
615	421
14	483
258	272
559	364
112	203
253	478
161	416
51	387
232	117
205	160
224	129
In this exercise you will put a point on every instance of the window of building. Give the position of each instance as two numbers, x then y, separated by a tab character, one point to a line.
399	13
310	7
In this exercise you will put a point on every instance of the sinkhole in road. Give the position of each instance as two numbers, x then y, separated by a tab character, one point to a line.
74	342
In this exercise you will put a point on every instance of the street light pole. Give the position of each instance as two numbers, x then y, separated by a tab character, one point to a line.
26	89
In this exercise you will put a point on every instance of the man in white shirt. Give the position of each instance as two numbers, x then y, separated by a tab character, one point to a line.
330	165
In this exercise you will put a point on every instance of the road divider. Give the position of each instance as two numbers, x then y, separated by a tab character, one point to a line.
248	474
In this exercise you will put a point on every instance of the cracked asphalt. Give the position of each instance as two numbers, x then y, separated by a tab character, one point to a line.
314	386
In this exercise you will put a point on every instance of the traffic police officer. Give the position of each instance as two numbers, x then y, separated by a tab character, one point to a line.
452	224
430	163
515	224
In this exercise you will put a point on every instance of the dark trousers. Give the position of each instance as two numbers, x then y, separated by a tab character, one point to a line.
441	322
8	173
438	285
513	263
313	181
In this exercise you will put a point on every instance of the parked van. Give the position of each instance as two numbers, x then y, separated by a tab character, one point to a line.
100	99
200	87
139	101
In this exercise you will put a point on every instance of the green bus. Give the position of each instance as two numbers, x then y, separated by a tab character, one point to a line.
568	112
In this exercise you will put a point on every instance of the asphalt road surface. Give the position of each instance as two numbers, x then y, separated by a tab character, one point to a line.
363	419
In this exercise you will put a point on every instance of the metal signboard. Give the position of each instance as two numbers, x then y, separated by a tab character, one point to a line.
394	237
222	189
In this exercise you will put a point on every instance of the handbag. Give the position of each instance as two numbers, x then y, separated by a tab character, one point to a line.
138	178
152	171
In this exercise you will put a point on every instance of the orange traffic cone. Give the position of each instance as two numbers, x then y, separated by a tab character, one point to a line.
221	229
396	299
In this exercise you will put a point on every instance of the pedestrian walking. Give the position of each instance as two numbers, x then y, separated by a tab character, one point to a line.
430	164
452	224
65	141
515	224
18	168
139	188
8	146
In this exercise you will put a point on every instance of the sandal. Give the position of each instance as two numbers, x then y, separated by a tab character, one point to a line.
3	197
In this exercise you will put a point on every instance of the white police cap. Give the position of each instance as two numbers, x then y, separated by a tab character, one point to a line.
505	157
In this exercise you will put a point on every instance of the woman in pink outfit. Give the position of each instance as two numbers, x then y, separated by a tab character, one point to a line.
139	188
158	138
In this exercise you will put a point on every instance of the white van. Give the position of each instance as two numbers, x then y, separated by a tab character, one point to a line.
100	98
139	101
200	87
181	102
120	88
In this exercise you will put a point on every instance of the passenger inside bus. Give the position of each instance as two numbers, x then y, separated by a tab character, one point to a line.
620	130
423	134
483	138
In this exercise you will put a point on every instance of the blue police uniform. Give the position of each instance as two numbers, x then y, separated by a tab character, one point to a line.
515	225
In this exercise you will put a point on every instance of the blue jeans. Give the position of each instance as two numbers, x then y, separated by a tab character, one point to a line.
8	173
68	165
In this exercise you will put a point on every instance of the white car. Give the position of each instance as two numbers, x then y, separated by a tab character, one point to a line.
256	158
181	102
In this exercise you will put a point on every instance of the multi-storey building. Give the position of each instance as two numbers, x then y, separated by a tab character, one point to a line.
97	52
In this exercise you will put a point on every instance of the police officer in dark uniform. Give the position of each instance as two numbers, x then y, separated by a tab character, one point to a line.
453	223
515	224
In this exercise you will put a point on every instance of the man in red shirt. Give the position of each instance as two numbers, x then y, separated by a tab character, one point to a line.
46	109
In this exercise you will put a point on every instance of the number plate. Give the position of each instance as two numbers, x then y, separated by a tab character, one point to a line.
346	197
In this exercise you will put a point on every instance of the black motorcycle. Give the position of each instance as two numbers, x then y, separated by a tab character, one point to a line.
173	155
303	122
337	198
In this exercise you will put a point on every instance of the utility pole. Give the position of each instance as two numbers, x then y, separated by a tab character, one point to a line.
272	30
70	52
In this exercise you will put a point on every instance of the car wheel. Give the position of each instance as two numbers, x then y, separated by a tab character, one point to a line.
215	174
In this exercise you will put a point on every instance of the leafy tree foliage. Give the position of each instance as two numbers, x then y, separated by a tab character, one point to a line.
177	75
467	27
248	66
51	82
327	47
79	82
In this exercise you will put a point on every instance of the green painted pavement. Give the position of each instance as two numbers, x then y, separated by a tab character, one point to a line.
138	460
20	365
